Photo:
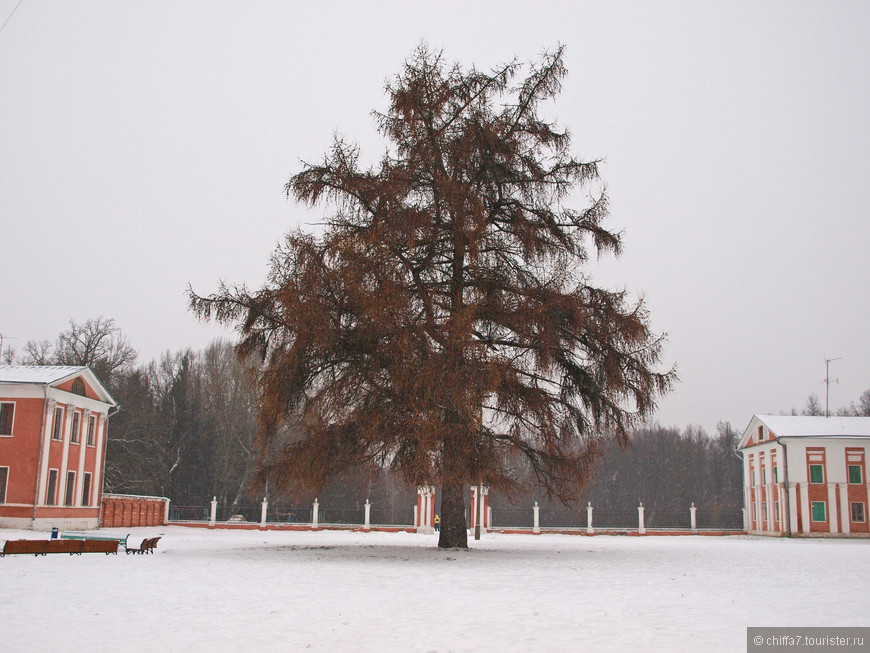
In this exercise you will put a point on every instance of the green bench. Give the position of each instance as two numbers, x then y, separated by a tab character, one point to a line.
105	538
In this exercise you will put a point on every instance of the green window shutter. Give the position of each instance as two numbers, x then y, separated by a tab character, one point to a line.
819	511
855	474
817	474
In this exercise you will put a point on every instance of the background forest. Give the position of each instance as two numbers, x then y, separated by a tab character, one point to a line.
187	423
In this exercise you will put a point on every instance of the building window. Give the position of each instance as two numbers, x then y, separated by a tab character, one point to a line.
4	476
92	427
855	474
760	433
764	510
51	492
78	387
70	488
74	429
817	473
776	508
57	429
818	509
86	490
775	474
858	512
7	411
763	476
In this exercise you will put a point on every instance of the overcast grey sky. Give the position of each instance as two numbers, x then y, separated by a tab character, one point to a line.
145	146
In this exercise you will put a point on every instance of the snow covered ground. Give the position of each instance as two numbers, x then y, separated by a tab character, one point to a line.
343	591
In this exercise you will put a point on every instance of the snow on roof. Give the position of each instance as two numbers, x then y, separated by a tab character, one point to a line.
38	373
814	426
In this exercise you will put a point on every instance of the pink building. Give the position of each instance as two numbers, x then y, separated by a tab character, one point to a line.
53	422
806	475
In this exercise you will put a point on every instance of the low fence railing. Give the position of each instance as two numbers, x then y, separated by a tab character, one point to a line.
535	519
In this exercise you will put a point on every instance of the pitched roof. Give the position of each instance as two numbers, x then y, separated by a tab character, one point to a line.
38	373
52	375
807	426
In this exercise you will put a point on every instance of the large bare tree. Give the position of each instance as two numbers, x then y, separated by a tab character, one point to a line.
443	323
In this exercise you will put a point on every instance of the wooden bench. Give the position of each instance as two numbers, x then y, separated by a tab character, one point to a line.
100	546
148	545
33	547
73	547
82	536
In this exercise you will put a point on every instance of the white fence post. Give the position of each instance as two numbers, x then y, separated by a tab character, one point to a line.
213	517
263	510
537	523
640	528
166	514
416	516
368	520
692	521
589	529
315	509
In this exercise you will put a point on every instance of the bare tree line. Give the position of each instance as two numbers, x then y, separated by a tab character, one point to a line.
187	424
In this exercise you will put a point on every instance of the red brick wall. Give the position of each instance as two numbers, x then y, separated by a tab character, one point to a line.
128	511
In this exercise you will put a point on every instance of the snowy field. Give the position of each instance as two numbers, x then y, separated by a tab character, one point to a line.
342	591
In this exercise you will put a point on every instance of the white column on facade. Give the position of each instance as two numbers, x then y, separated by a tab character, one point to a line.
83	445
770	506
833	515
97	482
805	507
64	461
46	446
747	510
845	517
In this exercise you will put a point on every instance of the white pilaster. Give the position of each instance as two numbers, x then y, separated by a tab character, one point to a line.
64	461
46	446
101	427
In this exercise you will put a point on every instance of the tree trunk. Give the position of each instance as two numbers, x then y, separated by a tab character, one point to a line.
453	534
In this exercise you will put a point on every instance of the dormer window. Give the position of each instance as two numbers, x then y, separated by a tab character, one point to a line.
78	387
761	434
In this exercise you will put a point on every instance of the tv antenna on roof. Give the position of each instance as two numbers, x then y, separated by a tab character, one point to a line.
828	380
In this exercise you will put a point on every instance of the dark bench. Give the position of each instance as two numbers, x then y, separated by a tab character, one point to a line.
44	547
148	545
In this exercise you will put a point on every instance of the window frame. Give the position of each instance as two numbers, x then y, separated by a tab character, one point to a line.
57	425
4	483
70	494
51	487
856	466
11	419
824	508
821	468
852	506
74	427
92	430
86	489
